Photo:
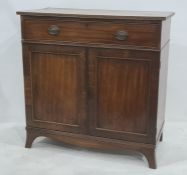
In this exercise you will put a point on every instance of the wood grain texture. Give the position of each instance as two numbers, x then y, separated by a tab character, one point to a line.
117	79
84	87
55	73
120	85
139	34
55	87
94	143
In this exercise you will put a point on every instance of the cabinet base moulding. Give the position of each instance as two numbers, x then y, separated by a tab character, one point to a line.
92	142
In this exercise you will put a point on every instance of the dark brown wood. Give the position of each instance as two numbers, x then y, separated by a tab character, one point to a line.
92	142
150	155
87	86
104	32
120	83
55	87
29	139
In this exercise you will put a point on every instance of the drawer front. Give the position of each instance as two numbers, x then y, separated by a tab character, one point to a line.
95	32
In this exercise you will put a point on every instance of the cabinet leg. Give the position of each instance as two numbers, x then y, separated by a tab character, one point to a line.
161	137
151	157
29	139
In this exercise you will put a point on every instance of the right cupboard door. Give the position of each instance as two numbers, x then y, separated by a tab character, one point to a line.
123	87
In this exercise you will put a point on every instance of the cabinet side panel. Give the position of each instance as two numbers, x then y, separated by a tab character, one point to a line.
162	88
165	32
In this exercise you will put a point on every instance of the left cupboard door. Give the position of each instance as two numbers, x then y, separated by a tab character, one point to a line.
55	92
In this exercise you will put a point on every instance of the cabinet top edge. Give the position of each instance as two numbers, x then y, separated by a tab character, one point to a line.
101	14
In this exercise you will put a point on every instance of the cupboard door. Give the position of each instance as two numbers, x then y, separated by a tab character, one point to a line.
55	87
123	94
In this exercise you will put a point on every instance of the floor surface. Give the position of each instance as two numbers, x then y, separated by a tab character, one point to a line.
47	157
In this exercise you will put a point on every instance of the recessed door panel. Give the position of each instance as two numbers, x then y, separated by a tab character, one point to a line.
122	94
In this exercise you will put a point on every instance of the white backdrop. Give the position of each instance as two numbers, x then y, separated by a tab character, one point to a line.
14	159
11	79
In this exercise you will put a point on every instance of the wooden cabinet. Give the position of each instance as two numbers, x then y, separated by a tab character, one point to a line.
96	79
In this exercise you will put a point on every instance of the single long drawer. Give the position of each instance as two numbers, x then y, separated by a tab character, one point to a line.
96	32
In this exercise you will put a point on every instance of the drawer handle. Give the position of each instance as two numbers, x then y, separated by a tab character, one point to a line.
121	35
53	30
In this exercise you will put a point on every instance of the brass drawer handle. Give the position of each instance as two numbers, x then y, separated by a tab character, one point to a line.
53	30
121	35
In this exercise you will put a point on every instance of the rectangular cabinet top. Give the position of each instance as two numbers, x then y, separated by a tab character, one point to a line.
102	14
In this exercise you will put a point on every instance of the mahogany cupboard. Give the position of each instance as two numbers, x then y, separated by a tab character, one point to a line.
95	78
